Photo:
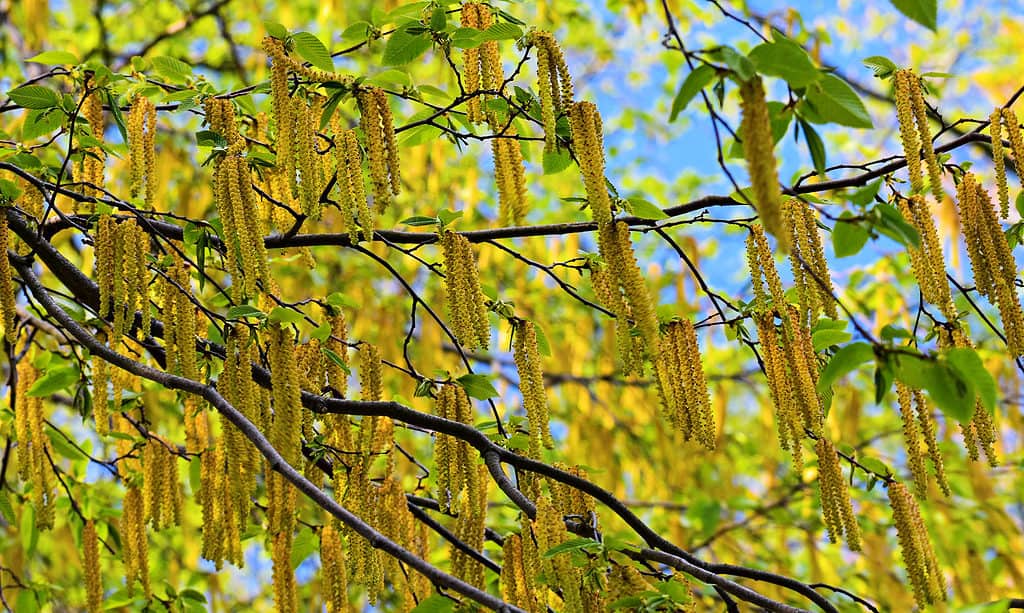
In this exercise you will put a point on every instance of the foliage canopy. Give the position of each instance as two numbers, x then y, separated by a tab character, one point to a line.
439	306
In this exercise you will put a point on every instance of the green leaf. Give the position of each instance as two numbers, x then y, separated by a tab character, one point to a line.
543	346
403	47
276	30
880	65
865	195
9	191
823	339
6	510
339	300
313	51
29	533
891	223
436	603
924	12
848	237
55	380
875	465
785	59
697	80
445	217
970	366
54	57
419	221
834	101
467	38
645	209
816	146
477	386
438	20
1018	203
209	138
739	64
503	31
172	69
244	310
844	361
35	97
334	357
950	391
191	594
304	544
285	315
576	544
391	76
556	161
322	332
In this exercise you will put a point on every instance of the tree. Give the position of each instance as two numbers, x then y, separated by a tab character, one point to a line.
368	307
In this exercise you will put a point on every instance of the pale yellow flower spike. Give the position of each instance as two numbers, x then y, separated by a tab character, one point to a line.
531	385
617	250
470	18
927	425
788	423
587	145
758	149
91	568
835	497
925	132
915	545
806	245
904	82
999	161
285	594
8	305
333	571
94	160
927	261
912	440
510	178
464	298
1016	138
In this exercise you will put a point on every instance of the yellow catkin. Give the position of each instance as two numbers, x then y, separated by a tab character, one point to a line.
454	459
307	162
1016	138
285	592
337	377
992	260
554	84
134	541
517	583
510	178
915	545
285	433
763	270
549	531
465	299
33	444
587	139
617	250
758	149
531	385
91	568
359	217
630	348
682	384
927	425
999	161
333	572
835	497
927	261
94	161
141	132
378	125
920	111
810	276
470	527
8	305
283	113
912	440
904	81
100	397
470	18
787	419
236	203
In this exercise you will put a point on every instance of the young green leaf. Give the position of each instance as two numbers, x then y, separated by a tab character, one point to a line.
882	66
969	364
172	69
924	12
54	57
834	101
34	97
848	237
844	361
694	82
785	59
313	51
404	46
477	386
